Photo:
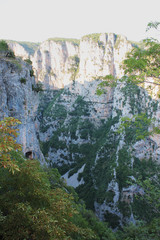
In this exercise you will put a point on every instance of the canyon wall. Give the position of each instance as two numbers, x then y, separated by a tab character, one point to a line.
78	130
18	100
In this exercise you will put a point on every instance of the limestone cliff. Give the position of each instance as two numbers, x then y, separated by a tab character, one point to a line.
78	131
18	50
102	54
24	50
18	100
54	61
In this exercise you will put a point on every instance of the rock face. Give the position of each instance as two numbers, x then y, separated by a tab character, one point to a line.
18	50
24	50
19	101
78	130
54	63
101	55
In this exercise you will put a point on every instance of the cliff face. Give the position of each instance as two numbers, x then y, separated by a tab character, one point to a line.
101	55
58	63
53	63
18	50
78	131
19	101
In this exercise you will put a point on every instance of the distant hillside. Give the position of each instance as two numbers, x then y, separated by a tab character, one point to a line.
30	47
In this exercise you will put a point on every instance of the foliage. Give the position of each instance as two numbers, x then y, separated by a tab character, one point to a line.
3	46
136	128
28	61
33	208
74	66
140	231
35	202
23	80
94	37
10	54
142	64
86	218
151	188
32	73
80	107
8	144
154	25
107	81
5	49
17	63
38	87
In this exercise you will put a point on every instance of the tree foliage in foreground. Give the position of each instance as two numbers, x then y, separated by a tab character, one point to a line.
35	203
8	133
31	209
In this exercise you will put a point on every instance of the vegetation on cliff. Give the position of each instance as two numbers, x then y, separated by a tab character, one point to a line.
35	203
5	50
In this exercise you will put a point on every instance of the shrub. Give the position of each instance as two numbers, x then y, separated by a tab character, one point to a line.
28	61
37	87
31	73
10	54
23	80
3	46
34	206
5	49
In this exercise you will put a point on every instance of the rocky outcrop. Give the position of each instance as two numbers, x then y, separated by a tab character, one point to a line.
18	100
101	55
57	63
54	63
18	50
24	50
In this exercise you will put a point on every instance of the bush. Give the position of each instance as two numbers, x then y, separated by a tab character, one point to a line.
29	62
10	54
31	73
3	46
34	206
37	87
23	80
5	49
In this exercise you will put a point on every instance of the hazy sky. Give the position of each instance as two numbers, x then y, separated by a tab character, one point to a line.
38	20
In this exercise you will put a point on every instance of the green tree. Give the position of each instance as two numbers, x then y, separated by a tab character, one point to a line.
32	209
8	144
35	203
142	64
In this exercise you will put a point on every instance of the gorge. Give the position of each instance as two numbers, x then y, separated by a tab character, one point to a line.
70	127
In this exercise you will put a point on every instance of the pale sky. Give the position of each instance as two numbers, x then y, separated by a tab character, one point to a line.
38	20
